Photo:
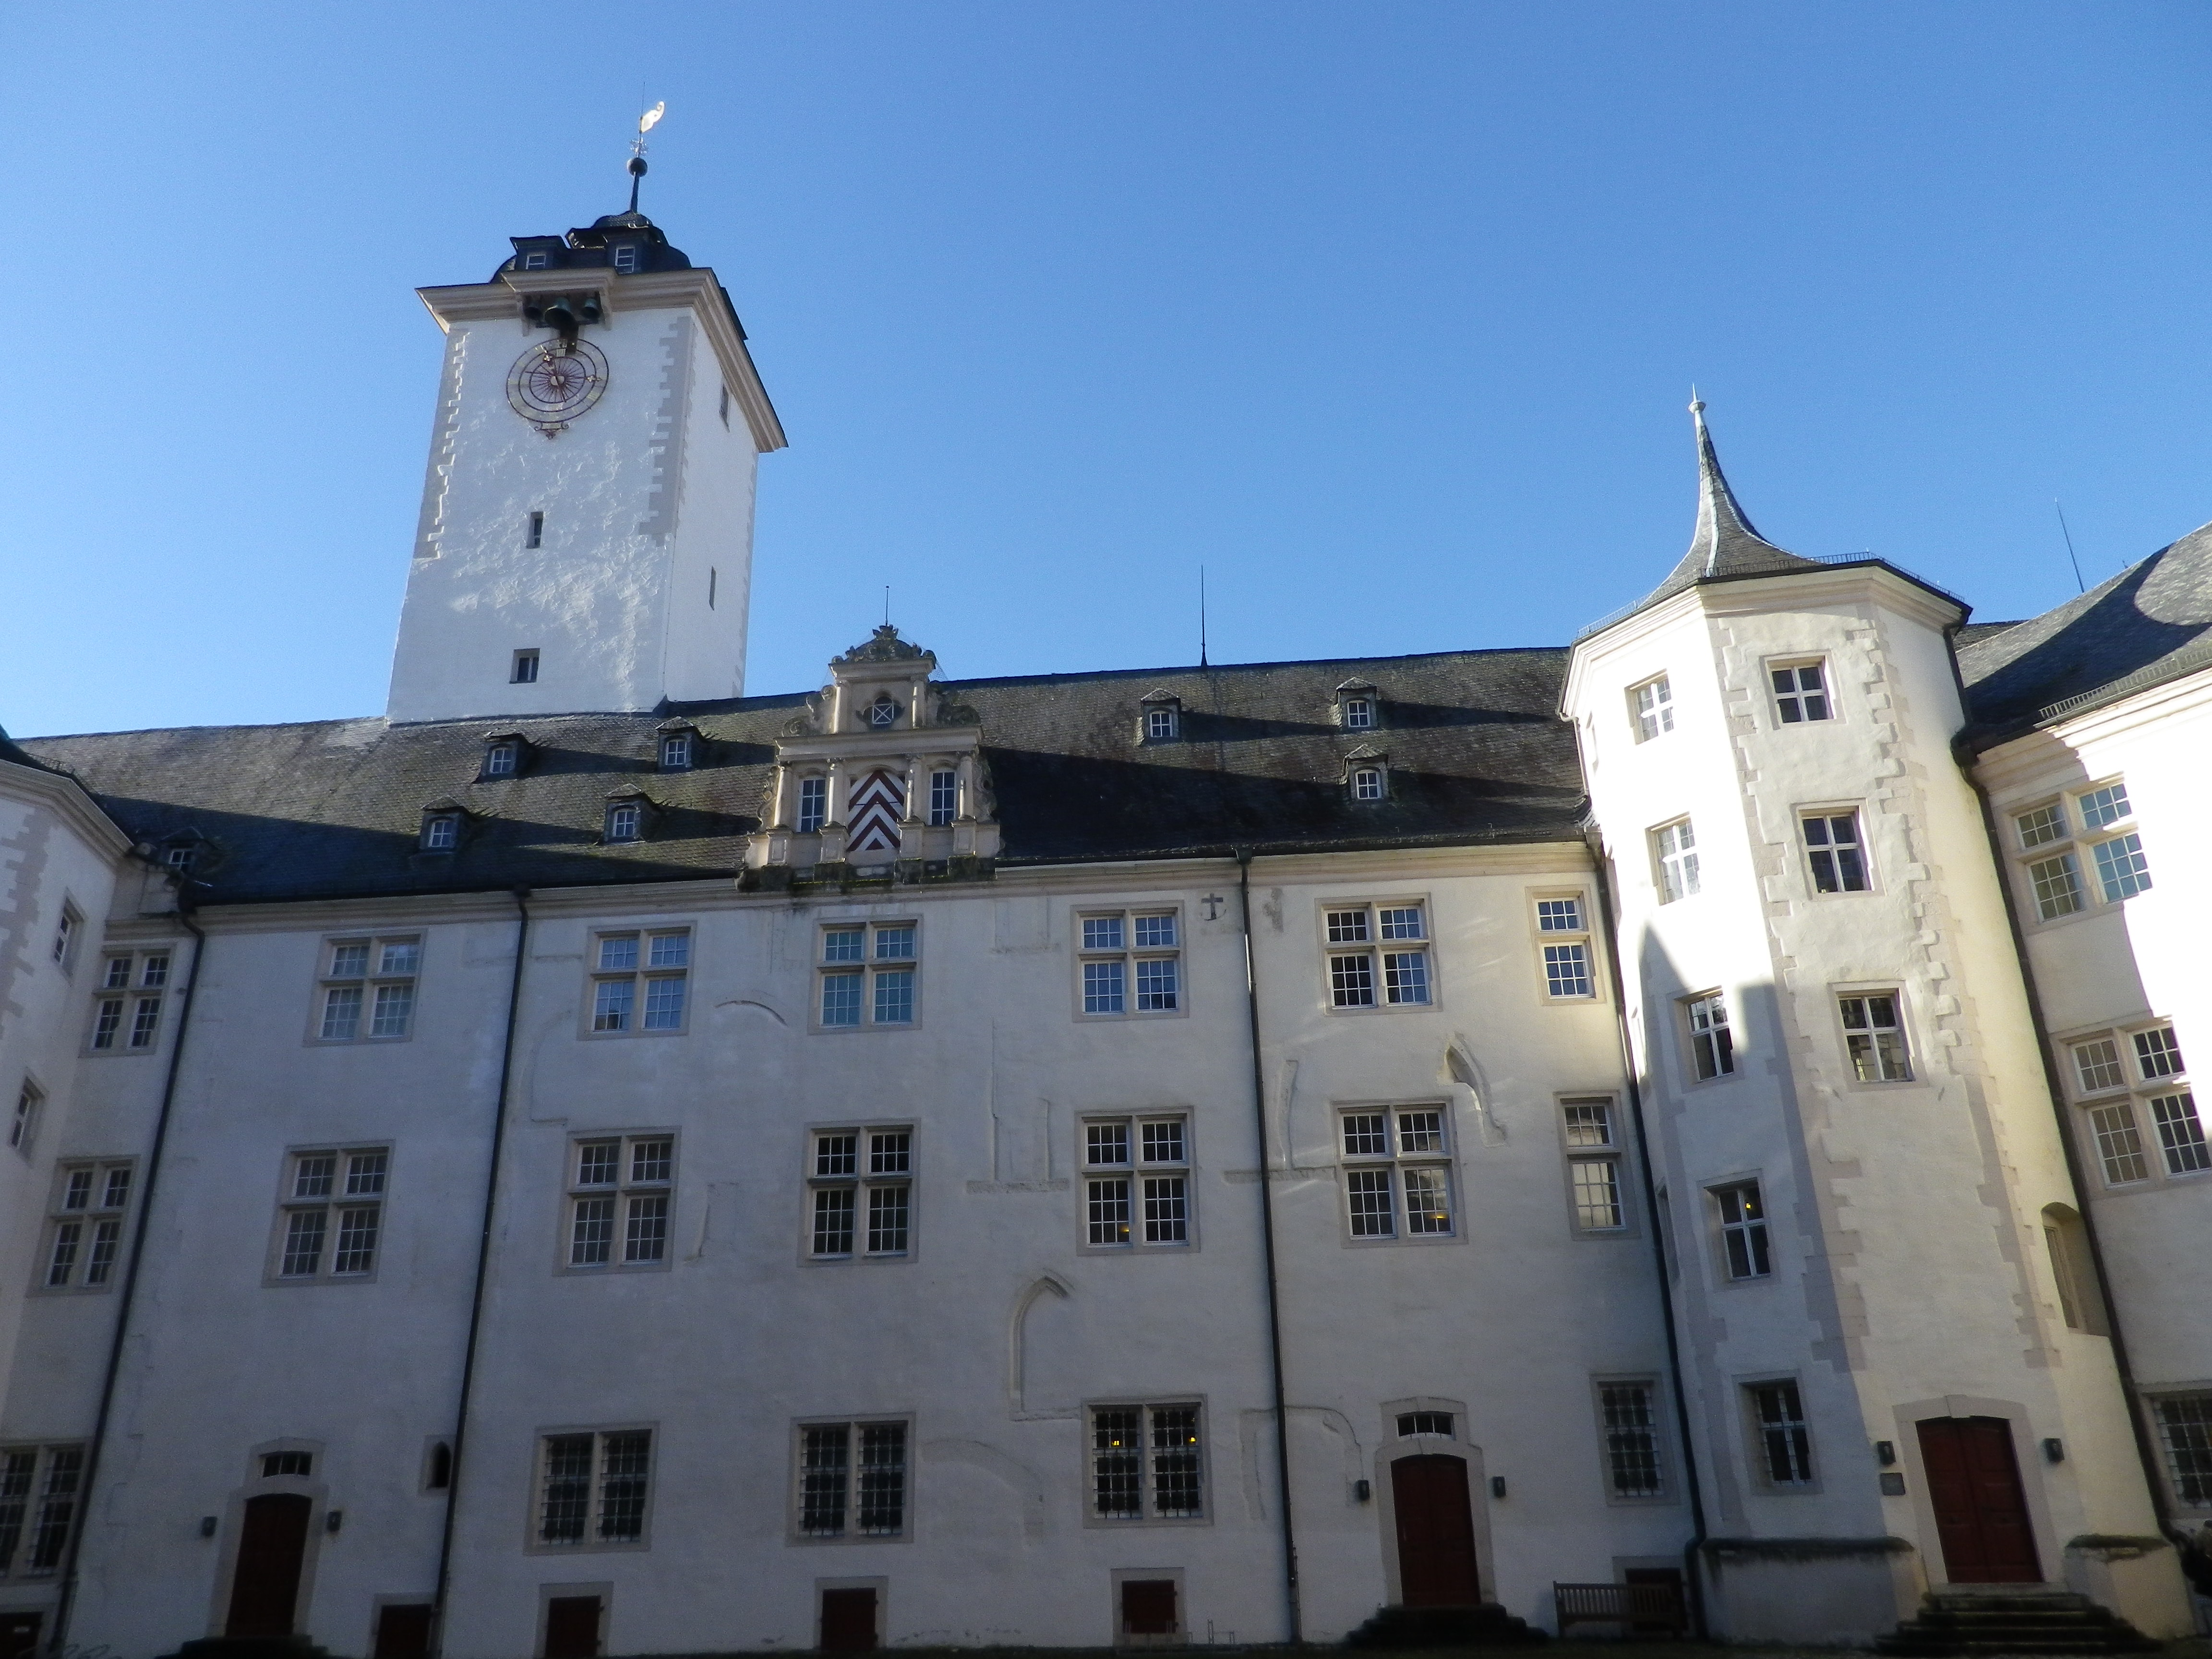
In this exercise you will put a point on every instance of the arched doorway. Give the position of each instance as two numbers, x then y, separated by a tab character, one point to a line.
1435	1532
272	1546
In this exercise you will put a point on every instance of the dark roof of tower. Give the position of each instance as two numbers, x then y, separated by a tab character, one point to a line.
2150	623
1723	544
593	247
1476	755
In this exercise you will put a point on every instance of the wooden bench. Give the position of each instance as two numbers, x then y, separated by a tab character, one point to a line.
1637	1609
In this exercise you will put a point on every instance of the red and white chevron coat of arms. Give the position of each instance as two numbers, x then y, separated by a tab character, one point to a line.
874	812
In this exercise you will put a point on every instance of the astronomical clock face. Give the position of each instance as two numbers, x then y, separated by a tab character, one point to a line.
551	384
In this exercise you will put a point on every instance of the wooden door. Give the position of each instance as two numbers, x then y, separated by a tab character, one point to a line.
403	1630
264	1589
1148	1606
572	1627
848	1620
19	1634
1981	1513
1436	1533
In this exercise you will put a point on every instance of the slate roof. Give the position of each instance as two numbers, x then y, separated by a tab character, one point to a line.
332	808
2151	622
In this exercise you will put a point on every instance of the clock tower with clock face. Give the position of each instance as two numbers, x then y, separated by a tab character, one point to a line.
585	538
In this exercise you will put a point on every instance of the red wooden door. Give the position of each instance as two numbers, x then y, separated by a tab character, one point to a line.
1148	1606
572	1627
848	1620
1981	1513
403	1630
1436	1533
264	1588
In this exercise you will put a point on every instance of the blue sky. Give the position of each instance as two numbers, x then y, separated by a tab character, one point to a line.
1385	313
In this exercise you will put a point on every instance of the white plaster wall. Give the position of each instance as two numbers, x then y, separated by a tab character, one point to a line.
640	498
1905	1218
741	1335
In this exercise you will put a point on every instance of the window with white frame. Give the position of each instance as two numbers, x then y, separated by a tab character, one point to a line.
1358	711
1712	1043
1780	1433
676	749
1130	962
883	713
625	819
2126	1082
860	1193
943	797
594	1486
502	758
1146	1463
40	1487
640	980
1628	1418
84	1232
2185	1435
329	1215
23	1128
1873	1036
1563	934
1741	1212
620	1191
524	669
1800	691
442	831
1675	860
1835	850
1652	707
1397	1172
1593	1165
1377	955
126	1014
2066	870
1162	720
1369	783
868	975
1136	1182
852	1480
813	804
67	932
368	988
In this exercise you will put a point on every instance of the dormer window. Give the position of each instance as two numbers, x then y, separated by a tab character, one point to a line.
1163	718
625	820
1367	783
536	260
626	257
502	759
676	752
442	831
883	713
178	856
1358	713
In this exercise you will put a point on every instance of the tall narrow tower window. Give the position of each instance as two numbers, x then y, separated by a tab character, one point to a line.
726	405
626	257
714	579
526	668
535	535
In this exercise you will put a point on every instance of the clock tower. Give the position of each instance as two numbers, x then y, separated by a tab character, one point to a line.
585	538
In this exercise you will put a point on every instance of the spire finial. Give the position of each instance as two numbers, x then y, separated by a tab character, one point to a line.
644	125
1696	403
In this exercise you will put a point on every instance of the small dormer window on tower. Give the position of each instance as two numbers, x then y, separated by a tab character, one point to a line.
626	258
536	260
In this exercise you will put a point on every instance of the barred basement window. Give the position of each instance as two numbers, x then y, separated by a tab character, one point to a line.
640	979
84	1231
1145	1463
1564	935
620	1191
329	1217
1593	1165
1628	1415
1674	861
1130	963
944	797
813	804
1392	1153
2185	1432
859	1187
1136	1182
126	1016
594	1489
1362	938
1743	1230
1835	851
1800	691
1785	1440
39	1486
852	1480
868	975
1873	1037
369	988
1712	1045
1652	706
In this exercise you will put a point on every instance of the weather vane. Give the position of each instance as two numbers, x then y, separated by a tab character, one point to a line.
644	125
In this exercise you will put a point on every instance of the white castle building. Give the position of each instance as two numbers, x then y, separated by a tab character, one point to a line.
591	1161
